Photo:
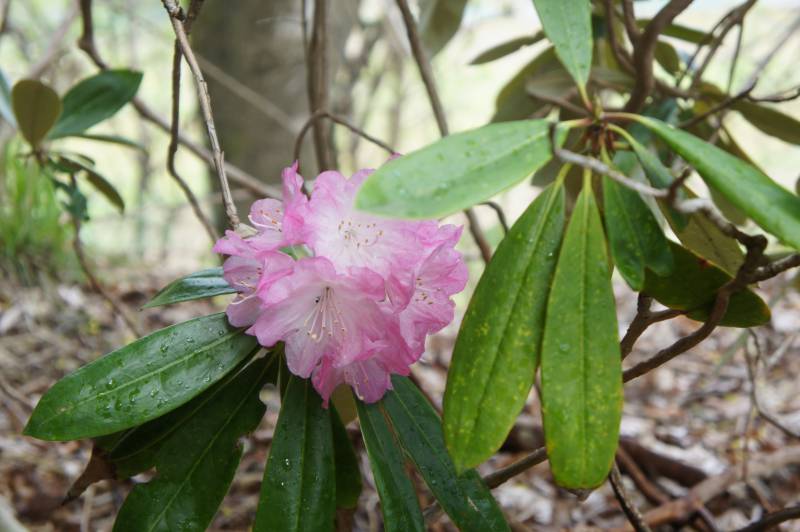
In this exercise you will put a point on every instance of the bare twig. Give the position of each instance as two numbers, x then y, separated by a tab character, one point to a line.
236	174
501	216
173	143
771	520
500	476
629	18
341	121
774	268
317	63
752	374
780	42
176	17
644	318
438	111
644	52
721	106
628	507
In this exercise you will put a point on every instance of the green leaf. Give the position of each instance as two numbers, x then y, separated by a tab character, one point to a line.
497	350
457	171
693	286
634	236
568	25
767	203
198	285
439	21
348	474
770	120
100	183
506	48
299	487
681	32
111	139
399	504
5	101
197	463
36	108
135	450
513	102
667	57
465	497
141	381
581	366
95	99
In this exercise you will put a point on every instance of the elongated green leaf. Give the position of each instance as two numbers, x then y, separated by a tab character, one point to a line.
458	171
135	450
348	474
198	285
770	120
767	203
464	497
197	463
94	99
635	238
299	487
5	101
497	350
399	504
111	139
439	20
36	108
568	25
100	183
506	48
581	367
693	286
681	32
141	381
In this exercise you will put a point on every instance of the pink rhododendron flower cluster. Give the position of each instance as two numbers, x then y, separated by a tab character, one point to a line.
357	308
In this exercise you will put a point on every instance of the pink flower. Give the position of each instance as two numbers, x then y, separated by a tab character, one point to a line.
360	307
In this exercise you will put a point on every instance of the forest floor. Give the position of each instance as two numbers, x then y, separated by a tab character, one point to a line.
701	453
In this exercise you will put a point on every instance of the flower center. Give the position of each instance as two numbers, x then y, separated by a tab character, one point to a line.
325	318
360	234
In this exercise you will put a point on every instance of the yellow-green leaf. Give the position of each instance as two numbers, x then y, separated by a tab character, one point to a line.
36	108
568	25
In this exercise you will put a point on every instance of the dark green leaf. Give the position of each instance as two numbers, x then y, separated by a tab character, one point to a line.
506	48
568	25
497	350
667	57
198	285
36	108
767	203
141	381
299	487
513	102
457	171
5	101
135	450
399	504
197	463
635	238
94	99
581	366
465	497
348	474
770	120
100	183
681	32
693	286
439	20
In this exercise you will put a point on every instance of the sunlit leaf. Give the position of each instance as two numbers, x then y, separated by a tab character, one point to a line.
567	23
497	350
581	366
457	171
140	381
198	285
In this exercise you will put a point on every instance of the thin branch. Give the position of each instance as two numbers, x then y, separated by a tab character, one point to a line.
752	374
644	53
176	18
500	476
721	106
775	268
629	19
172	149
501	216
298	144
628	507
426	74
236	174
773	519
317	62
769	56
